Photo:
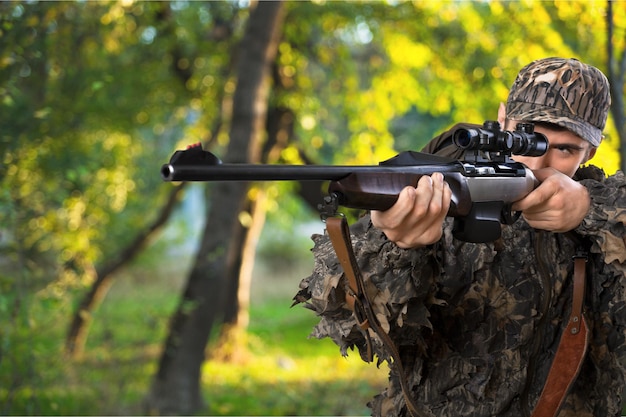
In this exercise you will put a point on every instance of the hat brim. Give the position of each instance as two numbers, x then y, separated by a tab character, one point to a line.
532	112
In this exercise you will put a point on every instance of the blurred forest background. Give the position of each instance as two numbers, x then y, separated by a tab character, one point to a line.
121	294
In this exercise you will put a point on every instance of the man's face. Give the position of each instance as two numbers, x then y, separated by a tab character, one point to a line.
566	153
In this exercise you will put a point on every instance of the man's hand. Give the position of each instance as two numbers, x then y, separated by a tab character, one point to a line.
416	219
558	204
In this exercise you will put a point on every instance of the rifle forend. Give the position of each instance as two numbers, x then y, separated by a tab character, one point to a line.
483	185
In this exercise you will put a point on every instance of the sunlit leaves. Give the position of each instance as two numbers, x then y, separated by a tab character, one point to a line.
406	53
450	60
607	156
65	205
84	126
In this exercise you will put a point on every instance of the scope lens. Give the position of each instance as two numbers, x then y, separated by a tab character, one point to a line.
463	138
508	142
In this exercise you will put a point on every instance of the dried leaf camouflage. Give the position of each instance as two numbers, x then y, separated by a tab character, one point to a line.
477	325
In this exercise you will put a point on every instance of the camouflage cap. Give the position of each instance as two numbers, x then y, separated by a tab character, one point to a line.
562	91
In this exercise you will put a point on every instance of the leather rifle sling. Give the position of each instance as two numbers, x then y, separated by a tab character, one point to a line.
339	234
571	351
358	300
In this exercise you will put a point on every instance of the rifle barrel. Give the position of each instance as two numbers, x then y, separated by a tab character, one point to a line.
253	172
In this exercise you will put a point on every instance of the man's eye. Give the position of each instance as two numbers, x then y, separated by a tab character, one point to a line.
564	149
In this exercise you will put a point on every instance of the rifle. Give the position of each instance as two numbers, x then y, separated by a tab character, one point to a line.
484	183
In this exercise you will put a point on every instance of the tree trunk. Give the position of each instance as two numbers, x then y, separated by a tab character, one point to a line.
176	386
280	130
616	74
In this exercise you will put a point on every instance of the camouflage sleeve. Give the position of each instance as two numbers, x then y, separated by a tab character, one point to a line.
605	224
605	227
400	284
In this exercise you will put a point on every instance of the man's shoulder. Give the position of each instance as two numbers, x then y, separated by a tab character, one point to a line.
590	172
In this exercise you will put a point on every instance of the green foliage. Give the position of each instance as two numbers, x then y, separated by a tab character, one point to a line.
93	97
282	246
36	378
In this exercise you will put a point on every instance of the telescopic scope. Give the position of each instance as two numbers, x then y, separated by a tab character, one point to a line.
491	138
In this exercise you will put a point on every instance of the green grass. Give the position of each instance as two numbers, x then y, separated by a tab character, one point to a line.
281	370
278	370
285	373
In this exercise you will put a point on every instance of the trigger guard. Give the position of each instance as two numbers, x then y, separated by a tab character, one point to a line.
508	216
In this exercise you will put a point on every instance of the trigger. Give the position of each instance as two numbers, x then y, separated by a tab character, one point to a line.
509	216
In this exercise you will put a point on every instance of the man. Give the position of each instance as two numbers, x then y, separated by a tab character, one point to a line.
477	325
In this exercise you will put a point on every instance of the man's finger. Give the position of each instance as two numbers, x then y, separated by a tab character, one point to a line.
543	173
536	197
424	194
393	217
436	202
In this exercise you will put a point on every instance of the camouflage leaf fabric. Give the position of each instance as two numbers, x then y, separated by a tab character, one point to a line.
477	325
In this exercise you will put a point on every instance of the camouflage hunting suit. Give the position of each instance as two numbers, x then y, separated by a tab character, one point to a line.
477	325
